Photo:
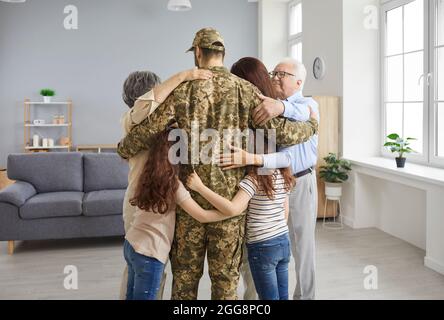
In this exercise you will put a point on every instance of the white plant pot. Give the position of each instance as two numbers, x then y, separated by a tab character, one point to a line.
333	191
46	99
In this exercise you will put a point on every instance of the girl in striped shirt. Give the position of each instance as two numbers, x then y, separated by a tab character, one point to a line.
266	198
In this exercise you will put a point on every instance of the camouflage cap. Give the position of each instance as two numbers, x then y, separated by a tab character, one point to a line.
208	38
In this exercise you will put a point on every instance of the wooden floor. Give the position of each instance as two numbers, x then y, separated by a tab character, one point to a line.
35	271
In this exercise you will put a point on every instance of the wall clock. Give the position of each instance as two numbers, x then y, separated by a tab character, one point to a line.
319	68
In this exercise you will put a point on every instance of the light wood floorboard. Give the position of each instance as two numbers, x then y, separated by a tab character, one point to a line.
35	271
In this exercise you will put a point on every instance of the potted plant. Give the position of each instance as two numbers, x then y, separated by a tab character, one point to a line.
47	94
334	173
401	146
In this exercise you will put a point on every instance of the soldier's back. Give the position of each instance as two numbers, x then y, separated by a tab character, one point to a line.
210	107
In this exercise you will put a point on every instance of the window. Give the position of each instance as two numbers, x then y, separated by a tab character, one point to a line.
413	59
295	30
438	70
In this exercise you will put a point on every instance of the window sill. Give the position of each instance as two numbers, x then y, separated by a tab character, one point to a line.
411	170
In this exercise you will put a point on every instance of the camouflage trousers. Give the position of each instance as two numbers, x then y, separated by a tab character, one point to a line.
222	241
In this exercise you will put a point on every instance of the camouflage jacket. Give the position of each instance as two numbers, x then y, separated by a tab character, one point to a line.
224	102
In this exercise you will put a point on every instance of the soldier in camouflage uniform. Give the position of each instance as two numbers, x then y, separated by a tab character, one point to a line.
224	102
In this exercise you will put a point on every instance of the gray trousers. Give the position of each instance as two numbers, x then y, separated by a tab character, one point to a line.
302	225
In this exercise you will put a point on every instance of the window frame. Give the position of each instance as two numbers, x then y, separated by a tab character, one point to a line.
429	113
297	38
434	160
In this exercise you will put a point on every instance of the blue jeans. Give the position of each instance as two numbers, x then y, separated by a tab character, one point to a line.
144	275
269	266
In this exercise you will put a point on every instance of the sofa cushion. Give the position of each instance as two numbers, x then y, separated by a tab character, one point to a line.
104	171
103	203
54	204
17	193
48	172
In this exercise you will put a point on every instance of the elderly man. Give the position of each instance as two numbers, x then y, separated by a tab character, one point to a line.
288	79
223	102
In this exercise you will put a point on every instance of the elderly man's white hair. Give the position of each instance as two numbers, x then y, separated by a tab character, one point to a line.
298	68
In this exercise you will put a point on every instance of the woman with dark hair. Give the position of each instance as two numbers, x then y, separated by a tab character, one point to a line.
296	158
254	71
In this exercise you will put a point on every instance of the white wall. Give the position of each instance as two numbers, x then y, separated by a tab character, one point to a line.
322	37
361	82
402	217
89	65
272	31
394	208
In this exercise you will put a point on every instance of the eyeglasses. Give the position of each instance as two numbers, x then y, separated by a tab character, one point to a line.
280	74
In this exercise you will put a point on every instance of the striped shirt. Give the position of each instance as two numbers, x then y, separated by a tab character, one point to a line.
265	218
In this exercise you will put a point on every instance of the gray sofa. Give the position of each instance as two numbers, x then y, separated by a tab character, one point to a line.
63	195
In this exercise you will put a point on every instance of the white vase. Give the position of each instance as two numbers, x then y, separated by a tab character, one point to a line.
36	141
333	191
46	99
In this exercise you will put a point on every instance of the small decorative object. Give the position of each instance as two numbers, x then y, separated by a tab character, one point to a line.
334	173
64	141
179	5
39	122
47	94
45	143
51	143
401	146
319	68
61	119
36	141
55	119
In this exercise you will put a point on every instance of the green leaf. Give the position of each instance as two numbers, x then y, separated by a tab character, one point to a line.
335	169
390	144
47	92
393	136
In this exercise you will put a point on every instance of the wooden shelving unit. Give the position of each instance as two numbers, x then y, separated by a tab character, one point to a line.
29	125
48	148
47	125
98	148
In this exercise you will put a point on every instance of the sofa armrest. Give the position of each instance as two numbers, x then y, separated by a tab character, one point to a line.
17	193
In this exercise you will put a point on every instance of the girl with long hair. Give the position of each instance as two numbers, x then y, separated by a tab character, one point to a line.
148	240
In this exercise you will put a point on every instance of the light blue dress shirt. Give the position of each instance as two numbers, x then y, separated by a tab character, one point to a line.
302	156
